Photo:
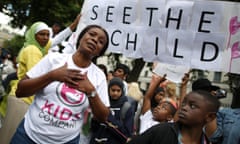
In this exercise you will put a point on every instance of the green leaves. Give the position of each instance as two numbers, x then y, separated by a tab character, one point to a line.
26	12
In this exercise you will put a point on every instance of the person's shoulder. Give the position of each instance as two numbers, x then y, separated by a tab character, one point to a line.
225	110
163	130
30	48
163	127
125	108
131	100
229	111
96	70
57	57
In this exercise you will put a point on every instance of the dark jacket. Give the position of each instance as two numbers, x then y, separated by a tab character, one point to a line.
124	126
164	133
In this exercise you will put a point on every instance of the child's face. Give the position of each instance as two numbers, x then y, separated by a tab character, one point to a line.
119	73
115	92
159	96
193	110
162	112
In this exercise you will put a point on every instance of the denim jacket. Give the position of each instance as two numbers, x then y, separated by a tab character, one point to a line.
227	120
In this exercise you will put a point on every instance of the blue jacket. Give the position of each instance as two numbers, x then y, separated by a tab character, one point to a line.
227	122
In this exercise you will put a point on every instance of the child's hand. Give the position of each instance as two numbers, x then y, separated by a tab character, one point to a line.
158	79
185	79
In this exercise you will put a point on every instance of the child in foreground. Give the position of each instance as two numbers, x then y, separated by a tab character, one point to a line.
197	109
164	109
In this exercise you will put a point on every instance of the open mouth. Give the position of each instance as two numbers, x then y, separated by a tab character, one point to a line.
181	115
91	46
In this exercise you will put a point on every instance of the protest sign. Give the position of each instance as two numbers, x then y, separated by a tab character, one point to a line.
173	73
197	34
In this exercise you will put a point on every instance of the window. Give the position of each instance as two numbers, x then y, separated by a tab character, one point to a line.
217	77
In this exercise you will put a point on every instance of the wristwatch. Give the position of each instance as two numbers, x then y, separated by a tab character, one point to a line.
92	94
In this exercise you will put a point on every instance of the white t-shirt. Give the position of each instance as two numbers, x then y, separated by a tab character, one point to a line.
125	87
60	37
147	121
56	114
70	45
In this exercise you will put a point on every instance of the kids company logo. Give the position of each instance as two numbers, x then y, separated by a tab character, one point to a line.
70	96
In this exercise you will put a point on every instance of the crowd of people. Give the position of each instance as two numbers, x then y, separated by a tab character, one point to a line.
71	99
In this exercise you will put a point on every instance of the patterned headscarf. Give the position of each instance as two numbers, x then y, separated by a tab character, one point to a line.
30	35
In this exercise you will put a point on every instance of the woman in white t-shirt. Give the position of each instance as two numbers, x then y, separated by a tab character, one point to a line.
65	85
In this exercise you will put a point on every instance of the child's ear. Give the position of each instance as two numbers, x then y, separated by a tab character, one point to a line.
125	76
211	116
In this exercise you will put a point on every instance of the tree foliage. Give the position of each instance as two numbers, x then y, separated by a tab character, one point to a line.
14	45
26	12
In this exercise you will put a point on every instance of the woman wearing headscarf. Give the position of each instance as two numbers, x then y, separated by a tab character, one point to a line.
119	126
117	100
37	43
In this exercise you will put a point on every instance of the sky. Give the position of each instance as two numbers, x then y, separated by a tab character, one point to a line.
4	19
